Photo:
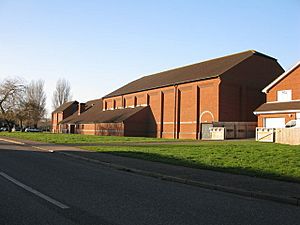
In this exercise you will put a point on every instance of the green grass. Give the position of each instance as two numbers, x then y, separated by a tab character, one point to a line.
77	138
252	158
268	160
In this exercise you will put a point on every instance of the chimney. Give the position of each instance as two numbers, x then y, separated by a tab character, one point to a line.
81	108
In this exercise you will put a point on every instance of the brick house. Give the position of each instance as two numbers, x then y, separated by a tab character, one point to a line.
283	100
64	111
183	102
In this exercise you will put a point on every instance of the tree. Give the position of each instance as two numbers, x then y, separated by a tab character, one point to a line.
35	102
11	91
62	93
21	114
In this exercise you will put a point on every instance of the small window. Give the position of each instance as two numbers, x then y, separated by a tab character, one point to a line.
135	101
284	95
148	100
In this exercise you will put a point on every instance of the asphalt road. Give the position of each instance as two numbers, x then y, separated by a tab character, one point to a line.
50	188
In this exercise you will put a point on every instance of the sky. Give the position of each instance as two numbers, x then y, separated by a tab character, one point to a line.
98	46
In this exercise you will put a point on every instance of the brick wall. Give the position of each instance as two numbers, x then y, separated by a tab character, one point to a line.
141	124
240	89
290	82
58	117
102	129
175	110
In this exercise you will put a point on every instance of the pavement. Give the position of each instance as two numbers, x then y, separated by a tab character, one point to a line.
254	187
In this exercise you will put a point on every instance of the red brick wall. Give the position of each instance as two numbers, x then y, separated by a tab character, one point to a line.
290	82
176	109
55	128
168	117
139	124
240	89
102	129
57	117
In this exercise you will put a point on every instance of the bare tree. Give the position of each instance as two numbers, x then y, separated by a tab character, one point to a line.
35	102
21	114
62	93
11	91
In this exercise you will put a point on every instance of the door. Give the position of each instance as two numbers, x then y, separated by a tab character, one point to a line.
205	132
72	129
275	122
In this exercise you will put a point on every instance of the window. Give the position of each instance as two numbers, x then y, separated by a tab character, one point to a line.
148	100
135	101
284	95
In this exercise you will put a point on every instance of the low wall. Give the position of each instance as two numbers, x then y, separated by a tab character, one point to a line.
289	136
238	130
101	129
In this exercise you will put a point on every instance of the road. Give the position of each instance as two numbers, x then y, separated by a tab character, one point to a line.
50	188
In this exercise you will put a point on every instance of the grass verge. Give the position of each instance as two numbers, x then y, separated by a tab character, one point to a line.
252	158
78	138
267	160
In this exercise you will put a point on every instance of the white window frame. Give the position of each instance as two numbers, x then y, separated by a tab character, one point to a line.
284	95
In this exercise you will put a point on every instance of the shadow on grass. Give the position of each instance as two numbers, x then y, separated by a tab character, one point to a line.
198	165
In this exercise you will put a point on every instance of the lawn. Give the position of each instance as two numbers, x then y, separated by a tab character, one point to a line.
252	158
77	138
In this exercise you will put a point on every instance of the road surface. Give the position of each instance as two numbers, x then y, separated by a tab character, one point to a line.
50	188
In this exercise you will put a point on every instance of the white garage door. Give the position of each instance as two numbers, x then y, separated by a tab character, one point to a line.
275	122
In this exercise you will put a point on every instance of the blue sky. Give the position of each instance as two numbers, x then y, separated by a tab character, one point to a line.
100	45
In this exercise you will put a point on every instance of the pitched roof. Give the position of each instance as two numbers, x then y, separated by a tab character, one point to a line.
203	70
64	106
90	107
278	79
96	115
93	102
277	107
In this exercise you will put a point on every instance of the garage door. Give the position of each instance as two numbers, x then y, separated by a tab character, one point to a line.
275	122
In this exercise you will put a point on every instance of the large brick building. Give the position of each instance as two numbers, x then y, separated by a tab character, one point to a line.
283	100
179	103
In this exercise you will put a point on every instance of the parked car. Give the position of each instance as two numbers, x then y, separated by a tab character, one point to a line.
16	129
32	130
293	123
3	129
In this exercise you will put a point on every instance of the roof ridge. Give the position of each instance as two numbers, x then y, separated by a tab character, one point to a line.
206	69
206	60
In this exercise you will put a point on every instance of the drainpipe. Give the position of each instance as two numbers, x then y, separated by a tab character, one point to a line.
175	113
161	114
